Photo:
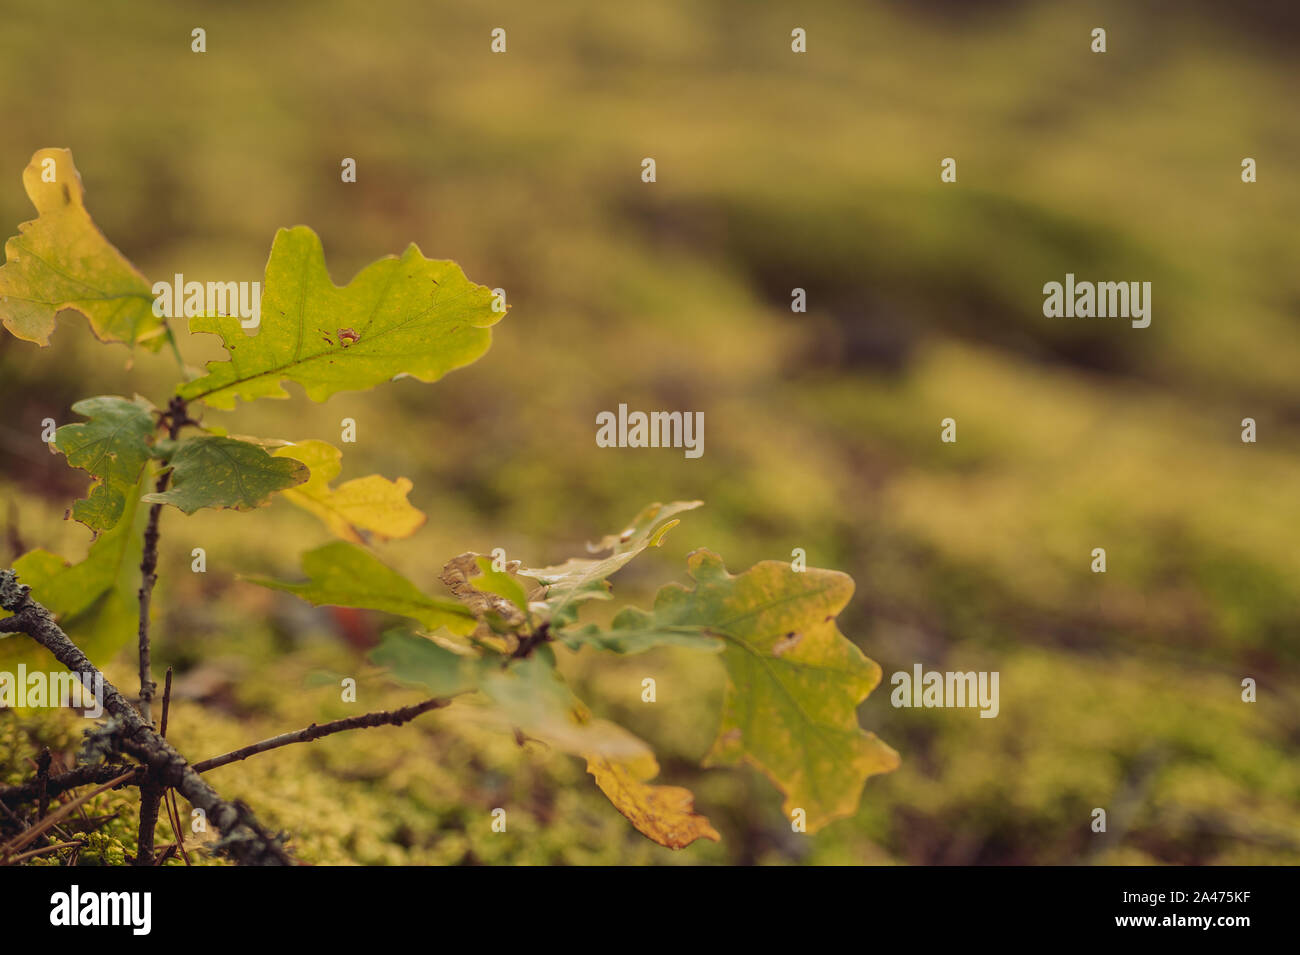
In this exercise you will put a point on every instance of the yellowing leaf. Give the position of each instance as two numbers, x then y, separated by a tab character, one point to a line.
794	681
400	316
210	471
61	260
372	505
665	814
113	445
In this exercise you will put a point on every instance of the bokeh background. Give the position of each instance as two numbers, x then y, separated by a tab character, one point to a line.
775	170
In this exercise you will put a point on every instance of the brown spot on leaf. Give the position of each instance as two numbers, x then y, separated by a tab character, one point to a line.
456	574
347	336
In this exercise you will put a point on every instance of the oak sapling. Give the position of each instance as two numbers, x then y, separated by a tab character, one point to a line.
489	640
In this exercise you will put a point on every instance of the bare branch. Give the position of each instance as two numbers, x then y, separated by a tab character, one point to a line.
60	783
151	795
151	792
175	416
167	703
244	839
316	731
148	577
38	852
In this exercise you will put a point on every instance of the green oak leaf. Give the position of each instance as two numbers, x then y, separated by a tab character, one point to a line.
93	600
794	681
635	631
579	579
407	316
113	445
531	695
344	575
501	583
211	471
61	260
419	661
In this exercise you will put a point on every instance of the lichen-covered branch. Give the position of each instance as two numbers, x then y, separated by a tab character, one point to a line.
245	840
151	793
175	416
59	783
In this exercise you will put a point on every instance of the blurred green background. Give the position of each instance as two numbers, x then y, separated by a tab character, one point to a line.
775	170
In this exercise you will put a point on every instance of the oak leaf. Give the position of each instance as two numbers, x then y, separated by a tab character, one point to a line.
407	316
371	505
61	260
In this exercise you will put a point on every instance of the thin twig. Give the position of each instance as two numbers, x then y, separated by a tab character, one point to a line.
150	791
44	849
317	730
167	703
60	783
84	775
174	816
26	836
148	577
166	853
169	797
174	416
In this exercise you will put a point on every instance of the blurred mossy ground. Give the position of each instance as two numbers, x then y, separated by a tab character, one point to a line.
775	171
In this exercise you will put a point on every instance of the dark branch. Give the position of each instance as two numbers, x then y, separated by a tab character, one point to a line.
102	773
175	417
148	577
60	783
532	641
245	840
151	795
316	731
151	792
